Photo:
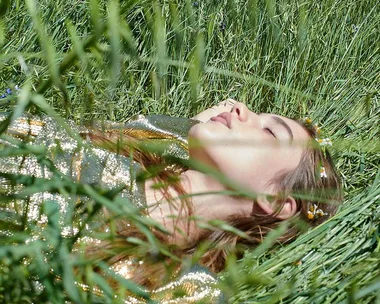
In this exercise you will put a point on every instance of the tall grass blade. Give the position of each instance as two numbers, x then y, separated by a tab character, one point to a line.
48	48
114	40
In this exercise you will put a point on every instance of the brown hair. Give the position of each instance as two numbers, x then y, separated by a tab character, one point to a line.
304	183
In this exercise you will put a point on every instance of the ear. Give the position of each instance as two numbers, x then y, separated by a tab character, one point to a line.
289	206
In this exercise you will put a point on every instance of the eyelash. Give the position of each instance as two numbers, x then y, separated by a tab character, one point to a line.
270	131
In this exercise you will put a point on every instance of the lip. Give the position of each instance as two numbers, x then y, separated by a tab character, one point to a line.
224	118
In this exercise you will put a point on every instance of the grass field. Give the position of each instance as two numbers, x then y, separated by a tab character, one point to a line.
109	60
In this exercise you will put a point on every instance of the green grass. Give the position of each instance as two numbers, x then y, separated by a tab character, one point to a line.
108	60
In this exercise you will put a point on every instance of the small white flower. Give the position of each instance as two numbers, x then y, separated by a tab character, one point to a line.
325	142
315	212
323	172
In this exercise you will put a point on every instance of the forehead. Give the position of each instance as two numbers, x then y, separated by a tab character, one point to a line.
299	132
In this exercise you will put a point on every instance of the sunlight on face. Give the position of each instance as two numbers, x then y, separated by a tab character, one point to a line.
248	148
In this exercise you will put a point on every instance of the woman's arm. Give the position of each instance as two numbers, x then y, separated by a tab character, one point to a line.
223	106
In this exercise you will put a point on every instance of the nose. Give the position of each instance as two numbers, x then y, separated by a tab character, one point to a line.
241	111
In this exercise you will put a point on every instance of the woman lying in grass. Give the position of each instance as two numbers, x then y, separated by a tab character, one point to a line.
252	171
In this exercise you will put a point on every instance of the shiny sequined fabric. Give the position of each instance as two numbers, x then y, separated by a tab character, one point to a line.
92	164
81	162
197	285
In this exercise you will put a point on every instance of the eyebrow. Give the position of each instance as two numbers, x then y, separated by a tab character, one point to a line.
284	124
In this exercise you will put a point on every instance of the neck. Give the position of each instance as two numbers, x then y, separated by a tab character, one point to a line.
206	203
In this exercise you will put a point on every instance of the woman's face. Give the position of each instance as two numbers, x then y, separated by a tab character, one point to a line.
248	148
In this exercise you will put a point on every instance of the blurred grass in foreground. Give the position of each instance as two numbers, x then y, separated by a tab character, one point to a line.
108	60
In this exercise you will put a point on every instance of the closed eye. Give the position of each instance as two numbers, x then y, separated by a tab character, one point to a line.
270	132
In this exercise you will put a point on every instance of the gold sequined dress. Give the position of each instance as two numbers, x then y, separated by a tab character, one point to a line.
92	165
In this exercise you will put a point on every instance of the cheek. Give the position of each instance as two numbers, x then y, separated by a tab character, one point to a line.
252	166
256	167
246	165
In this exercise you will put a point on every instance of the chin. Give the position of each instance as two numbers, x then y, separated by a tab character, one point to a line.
204	132
197	133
